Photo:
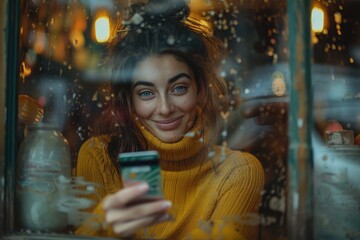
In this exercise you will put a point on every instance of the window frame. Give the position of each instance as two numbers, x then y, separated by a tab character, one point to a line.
9	105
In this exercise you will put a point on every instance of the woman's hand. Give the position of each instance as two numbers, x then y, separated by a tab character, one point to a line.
127	213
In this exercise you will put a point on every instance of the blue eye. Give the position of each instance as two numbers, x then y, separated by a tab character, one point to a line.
146	94
180	89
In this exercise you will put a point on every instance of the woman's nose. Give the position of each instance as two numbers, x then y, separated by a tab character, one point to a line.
165	106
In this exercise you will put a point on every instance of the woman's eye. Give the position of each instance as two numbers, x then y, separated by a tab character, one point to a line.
145	94
180	89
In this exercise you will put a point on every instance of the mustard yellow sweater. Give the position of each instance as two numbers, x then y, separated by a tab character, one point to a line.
215	191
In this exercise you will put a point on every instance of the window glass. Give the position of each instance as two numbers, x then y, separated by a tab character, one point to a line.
63	90
335	41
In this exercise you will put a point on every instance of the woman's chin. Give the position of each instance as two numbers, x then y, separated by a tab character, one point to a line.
171	138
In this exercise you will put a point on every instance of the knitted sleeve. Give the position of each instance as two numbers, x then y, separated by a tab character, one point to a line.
95	166
236	213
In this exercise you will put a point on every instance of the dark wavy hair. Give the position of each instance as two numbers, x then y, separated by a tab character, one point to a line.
155	28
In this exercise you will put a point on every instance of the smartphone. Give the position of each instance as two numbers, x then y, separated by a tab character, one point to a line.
142	166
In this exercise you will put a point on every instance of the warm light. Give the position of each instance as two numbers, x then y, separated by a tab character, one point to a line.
317	19
41	41
24	70
77	39
338	17
102	29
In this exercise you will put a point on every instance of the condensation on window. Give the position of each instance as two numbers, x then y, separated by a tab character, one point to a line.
63	78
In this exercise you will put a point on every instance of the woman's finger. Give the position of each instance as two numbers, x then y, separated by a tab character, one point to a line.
127	229
137	211
132	183
125	196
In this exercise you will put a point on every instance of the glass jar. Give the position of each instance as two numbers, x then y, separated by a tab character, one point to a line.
336	192
43	157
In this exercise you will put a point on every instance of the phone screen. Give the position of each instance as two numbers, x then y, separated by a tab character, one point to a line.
142	166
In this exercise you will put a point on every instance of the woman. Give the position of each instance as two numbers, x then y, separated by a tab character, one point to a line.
170	99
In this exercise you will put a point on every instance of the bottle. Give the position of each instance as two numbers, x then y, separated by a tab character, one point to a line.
43	157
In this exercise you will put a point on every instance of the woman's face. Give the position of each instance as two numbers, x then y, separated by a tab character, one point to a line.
165	96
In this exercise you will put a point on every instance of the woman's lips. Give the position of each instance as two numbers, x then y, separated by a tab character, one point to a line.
168	124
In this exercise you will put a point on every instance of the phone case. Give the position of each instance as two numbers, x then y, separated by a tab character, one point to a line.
142	166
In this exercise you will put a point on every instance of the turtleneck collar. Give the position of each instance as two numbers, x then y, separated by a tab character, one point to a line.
192	143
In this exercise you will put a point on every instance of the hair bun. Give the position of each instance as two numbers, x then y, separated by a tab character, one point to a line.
158	11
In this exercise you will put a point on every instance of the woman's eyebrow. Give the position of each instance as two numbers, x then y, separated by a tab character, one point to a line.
171	80
150	84
176	77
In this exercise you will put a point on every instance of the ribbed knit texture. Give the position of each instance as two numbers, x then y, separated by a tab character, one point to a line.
212	199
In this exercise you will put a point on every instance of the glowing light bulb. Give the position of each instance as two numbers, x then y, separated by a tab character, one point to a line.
102	29
317	19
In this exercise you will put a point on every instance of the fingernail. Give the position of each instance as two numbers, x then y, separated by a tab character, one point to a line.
166	204
143	187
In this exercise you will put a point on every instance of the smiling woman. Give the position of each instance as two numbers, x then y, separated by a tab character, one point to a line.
168	97
165	103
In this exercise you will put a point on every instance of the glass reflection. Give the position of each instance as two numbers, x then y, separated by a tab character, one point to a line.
63	69
63	79
336	88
